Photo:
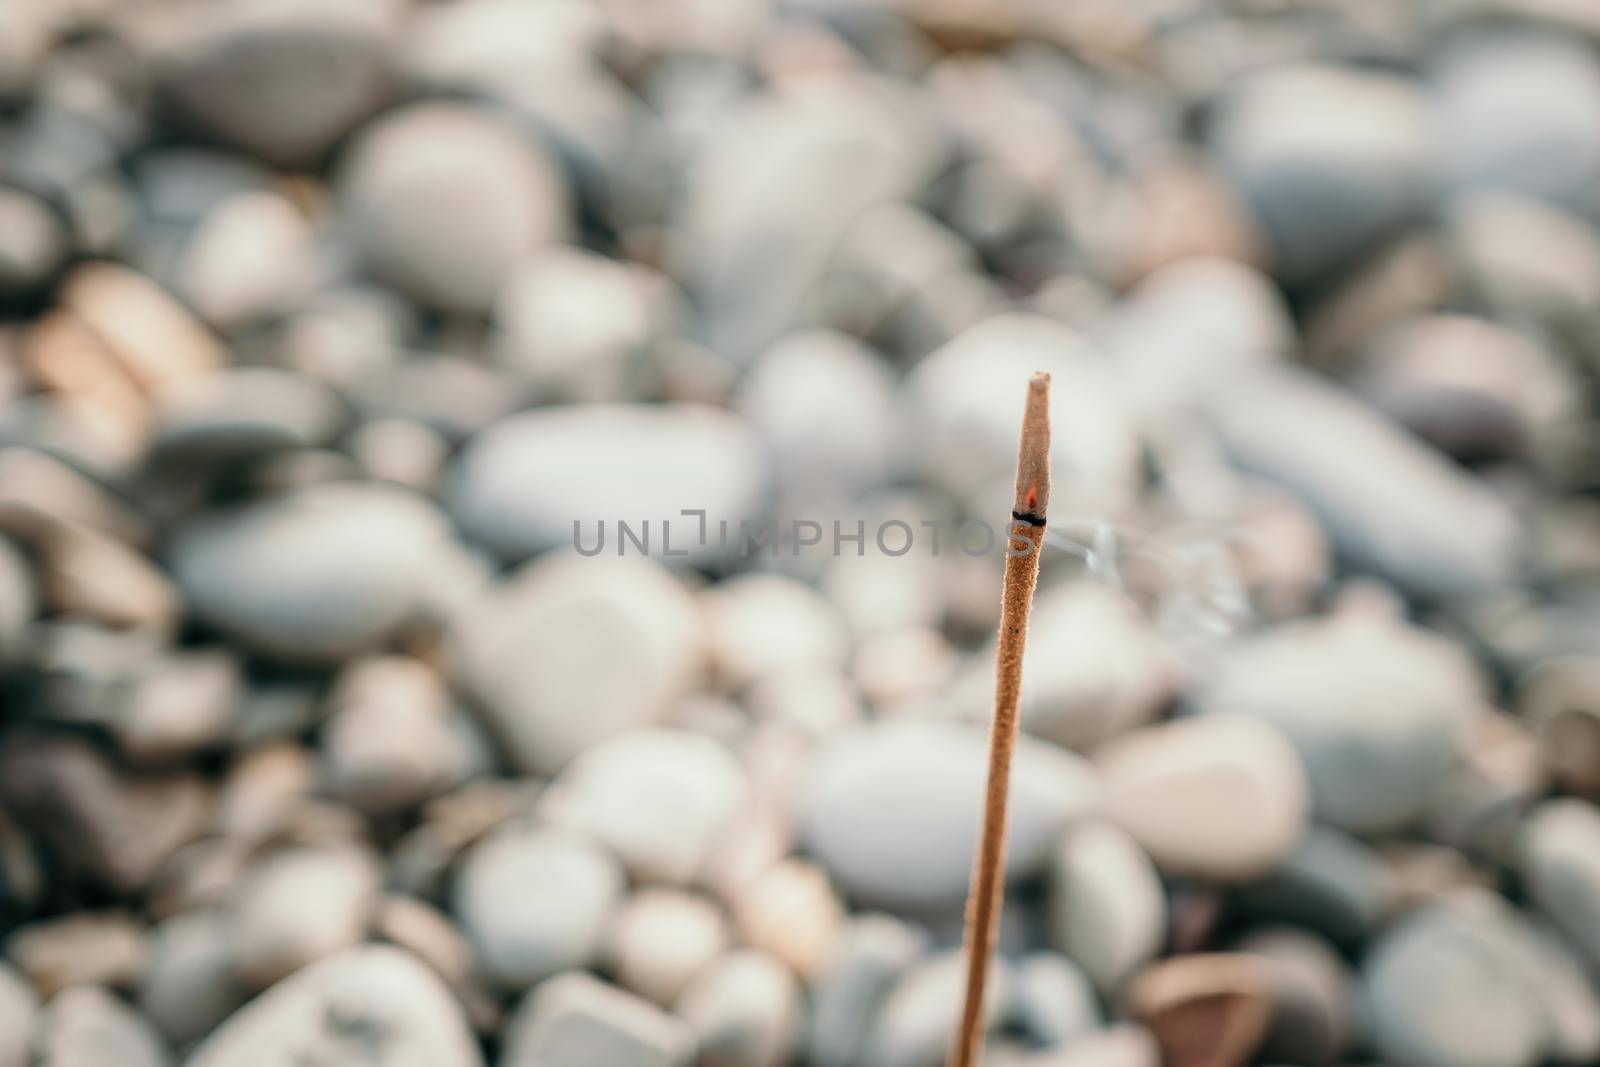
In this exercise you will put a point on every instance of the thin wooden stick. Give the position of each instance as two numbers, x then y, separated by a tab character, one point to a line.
1022	573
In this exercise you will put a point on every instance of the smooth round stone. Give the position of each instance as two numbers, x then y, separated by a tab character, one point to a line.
824	403
965	398
791	911
452	395
1560	699
86	1026
80	948
1222	797
1204	1008
340	1010
1526	256
575	324
388	742
183	704
1520	111
1095	667
299	906
759	624
189	987
1055	1003
570	651
660	799
403	451
445	200
281	81
1438	993
1376	709
1560	854
155	338
316	574
1494	397
661	939
534	902
573	476
33	245
891	811
745	1011
915	1026
1121	1045
1107	908
872	952
253	258
19	1008
1331	159
243	413
576	1018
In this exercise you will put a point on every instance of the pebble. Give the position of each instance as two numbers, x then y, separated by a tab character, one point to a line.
85	948
791	911
1377	709
617	640
19	602
1560	859
19	1008
962	399
576	476
872	953
86	1026
759	624
1205	1010
661	939
34	245
917	1022
1107	908
1221	797
1330	882
444	201
252	259
1433	529
1055	1002
369	1004
1122	1045
1439	993
188	987
427	933
387	744
1560	699
660	799
745	1011
182	705
243	414
578	1019
576	325
318	574
1506	100
891	811
1330	159
535	902
153	337
299	906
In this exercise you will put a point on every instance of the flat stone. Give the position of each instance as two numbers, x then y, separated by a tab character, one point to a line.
317	574
445	200
1223	797
578	1019
154	338
373	1003
574	476
1378	710
745	1011
535	902
569	651
243	414
660	799
891	811
1108	911
81	948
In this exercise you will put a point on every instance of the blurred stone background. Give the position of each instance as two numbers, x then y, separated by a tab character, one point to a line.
321	323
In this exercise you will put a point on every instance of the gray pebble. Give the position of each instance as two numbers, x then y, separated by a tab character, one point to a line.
873	951
917	1022
188	987
1054	1001
19	1011
576	1019
1560	851
534	902
891	810
244	413
1107	908
85	1026
299	906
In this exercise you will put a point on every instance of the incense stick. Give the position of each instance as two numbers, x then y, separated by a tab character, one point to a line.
1021	574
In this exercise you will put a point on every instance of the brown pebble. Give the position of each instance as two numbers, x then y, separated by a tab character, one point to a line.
1208	1010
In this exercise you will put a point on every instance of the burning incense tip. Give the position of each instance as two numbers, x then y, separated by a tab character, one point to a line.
1022	573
